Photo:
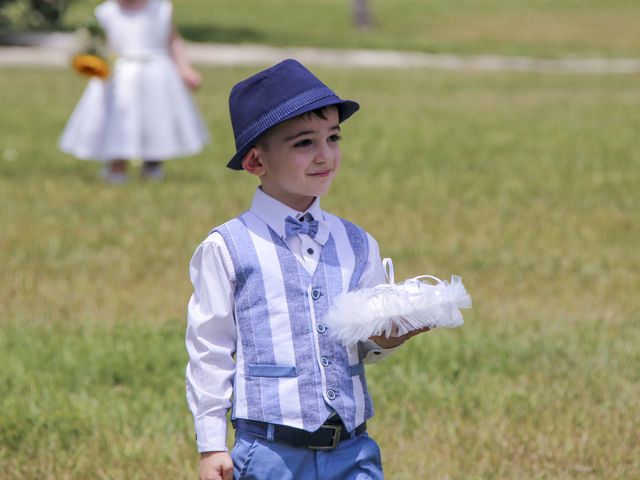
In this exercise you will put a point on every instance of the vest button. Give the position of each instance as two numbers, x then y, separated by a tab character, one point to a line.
315	294
331	395
324	361
321	328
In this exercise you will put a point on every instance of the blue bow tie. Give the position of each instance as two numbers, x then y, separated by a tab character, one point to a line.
296	227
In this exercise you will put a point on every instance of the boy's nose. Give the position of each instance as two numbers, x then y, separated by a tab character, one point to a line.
324	154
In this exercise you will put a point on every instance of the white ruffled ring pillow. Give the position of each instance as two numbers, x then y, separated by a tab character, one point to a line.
394	309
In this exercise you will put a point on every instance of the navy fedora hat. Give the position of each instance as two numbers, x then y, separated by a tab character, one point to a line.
270	97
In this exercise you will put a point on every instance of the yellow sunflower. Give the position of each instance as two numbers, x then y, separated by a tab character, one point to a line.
91	65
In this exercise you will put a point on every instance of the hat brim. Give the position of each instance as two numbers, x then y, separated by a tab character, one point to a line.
346	108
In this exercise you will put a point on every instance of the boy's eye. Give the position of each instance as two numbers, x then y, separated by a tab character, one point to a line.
335	138
303	143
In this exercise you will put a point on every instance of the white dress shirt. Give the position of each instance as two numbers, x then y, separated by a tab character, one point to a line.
211	329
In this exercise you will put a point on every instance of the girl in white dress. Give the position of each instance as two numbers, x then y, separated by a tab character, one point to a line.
144	110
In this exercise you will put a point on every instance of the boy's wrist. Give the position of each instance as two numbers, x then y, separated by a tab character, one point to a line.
392	342
212	453
387	342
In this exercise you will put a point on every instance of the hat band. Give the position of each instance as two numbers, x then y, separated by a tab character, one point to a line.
280	112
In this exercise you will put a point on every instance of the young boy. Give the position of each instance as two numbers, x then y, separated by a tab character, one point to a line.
262	285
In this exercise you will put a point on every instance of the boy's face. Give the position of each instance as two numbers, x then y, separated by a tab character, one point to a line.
297	159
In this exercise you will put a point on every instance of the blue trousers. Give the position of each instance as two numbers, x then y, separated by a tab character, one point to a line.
256	458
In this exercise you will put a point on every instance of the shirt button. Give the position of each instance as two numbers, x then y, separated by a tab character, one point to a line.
324	361
321	328
315	294
310	251
331	395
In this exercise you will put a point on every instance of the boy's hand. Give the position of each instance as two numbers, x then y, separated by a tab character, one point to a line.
216	466
391	341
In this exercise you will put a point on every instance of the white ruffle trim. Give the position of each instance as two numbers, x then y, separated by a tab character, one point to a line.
394	309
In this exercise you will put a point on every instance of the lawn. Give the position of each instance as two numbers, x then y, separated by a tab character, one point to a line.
525	185
548	28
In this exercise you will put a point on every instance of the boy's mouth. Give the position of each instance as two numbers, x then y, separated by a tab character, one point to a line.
323	173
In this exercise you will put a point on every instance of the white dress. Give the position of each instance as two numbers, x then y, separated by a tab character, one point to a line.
144	109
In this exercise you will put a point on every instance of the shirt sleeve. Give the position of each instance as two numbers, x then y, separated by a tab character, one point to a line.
211	343
372	275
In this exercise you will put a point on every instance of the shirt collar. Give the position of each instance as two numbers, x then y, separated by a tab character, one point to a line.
273	212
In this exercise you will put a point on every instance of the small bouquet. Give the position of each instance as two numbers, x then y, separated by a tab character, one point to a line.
90	65
394	309
91	59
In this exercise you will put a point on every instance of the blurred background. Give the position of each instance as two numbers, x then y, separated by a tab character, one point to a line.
500	144
544	28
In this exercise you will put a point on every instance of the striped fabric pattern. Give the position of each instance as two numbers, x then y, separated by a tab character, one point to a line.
288	368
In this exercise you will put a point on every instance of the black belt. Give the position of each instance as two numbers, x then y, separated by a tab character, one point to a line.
327	437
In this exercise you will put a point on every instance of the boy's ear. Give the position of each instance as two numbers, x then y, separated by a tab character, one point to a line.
252	162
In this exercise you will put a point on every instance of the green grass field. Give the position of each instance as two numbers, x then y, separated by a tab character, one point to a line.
548	28
526	185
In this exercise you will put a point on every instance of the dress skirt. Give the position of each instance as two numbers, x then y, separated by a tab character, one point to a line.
143	111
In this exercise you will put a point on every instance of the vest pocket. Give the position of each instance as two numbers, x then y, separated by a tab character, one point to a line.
274	371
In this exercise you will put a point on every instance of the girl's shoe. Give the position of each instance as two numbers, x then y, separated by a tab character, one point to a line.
152	171
114	178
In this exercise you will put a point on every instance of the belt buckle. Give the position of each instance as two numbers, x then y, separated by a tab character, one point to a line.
334	441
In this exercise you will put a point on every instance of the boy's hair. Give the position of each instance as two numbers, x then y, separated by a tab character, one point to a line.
318	112
270	97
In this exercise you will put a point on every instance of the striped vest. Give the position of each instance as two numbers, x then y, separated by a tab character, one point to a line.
288	368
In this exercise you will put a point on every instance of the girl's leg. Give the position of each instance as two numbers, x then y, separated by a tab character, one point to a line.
116	171
152	170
